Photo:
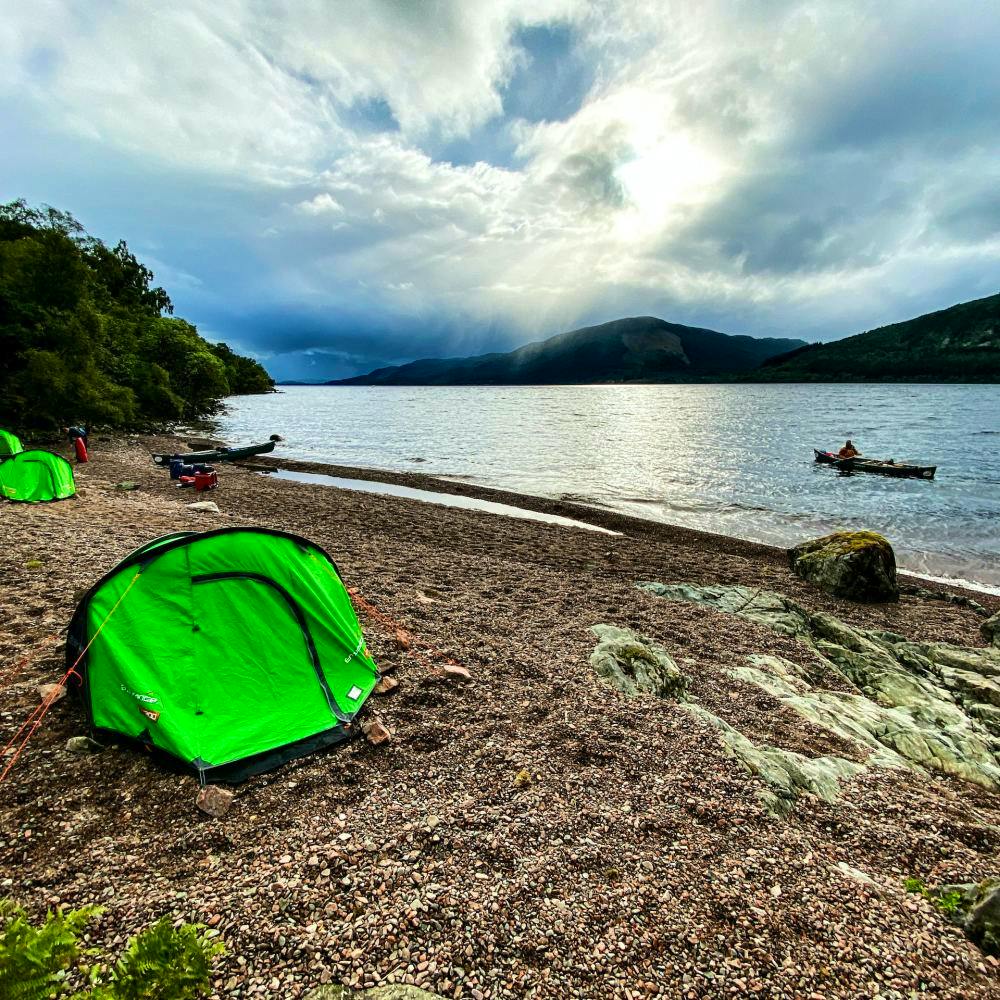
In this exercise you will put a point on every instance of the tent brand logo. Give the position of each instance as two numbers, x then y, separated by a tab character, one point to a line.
359	648
149	699
150	714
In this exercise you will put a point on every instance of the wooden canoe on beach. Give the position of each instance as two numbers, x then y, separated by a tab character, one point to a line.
899	470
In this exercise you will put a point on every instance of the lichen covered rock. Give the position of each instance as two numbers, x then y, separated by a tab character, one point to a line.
977	911
856	565
634	664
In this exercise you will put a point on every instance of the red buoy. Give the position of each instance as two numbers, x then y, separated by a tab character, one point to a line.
81	450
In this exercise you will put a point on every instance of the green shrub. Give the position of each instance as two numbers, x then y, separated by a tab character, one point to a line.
162	962
34	961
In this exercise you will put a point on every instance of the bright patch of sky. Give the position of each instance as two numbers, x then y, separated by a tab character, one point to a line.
335	187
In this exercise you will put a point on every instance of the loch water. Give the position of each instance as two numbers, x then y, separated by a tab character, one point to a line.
733	459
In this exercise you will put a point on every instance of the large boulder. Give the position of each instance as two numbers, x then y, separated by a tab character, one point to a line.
856	565
991	630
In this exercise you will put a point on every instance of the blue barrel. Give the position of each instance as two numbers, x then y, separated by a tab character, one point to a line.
176	464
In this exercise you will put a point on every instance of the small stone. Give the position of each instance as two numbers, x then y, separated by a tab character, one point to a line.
82	744
214	801
385	685
207	506
51	693
523	778
375	732
456	672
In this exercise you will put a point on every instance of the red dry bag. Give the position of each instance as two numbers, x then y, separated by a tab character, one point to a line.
81	450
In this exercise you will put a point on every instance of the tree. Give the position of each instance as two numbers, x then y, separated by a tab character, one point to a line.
83	335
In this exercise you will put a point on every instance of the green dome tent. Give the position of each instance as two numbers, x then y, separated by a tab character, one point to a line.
36	476
9	445
231	650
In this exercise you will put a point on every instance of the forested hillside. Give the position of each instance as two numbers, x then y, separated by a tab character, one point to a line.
958	344
86	336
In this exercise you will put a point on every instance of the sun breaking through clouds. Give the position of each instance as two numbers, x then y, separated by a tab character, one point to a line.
333	186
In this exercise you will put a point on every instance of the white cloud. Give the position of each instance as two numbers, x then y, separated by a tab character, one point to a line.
747	162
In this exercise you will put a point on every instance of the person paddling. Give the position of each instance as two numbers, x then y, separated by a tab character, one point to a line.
848	451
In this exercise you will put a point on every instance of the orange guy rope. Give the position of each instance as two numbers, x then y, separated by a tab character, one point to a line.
34	720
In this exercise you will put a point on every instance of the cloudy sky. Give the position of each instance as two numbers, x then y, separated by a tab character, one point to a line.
332	186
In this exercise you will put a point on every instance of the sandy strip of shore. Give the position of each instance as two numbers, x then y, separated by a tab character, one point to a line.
638	861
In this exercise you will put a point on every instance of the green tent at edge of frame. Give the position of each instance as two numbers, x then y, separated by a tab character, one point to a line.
232	651
36	477
10	444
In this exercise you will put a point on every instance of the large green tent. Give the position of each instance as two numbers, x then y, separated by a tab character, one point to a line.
36	476
231	650
9	444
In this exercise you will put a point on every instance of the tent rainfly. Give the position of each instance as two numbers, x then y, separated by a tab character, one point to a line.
36	476
9	444
231	650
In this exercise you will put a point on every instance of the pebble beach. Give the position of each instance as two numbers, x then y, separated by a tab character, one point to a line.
528	832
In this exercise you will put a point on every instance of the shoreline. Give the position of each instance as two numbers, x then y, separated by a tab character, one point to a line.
603	516
638	858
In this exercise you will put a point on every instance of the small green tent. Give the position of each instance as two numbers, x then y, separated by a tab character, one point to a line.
36	476
231	650
9	445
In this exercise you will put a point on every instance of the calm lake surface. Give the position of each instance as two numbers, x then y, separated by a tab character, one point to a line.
734	459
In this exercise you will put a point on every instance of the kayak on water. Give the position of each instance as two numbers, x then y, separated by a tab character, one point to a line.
889	467
215	454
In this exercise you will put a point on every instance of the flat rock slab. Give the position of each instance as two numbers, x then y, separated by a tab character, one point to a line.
205	506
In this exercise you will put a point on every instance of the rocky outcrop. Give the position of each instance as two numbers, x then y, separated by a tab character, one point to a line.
856	565
923	706
786	774
634	664
975	907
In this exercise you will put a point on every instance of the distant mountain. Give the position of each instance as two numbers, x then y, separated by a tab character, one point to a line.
640	349
960	344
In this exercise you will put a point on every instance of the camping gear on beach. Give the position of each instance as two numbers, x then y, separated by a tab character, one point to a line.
9	445
205	478
215	454
81	450
232	650
178	468
889	467
35	477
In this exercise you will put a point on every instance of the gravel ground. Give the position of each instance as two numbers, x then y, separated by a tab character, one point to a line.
636	861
